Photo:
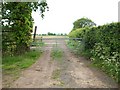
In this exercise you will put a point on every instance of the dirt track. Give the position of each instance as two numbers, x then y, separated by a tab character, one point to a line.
74	72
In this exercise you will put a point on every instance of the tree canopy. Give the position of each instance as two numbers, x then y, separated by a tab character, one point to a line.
16	17
83	22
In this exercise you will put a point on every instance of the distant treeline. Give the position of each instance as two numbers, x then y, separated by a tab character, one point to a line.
52	34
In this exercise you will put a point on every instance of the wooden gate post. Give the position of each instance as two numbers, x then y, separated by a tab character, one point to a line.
34	33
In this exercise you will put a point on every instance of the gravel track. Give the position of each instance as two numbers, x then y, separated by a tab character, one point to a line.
75	72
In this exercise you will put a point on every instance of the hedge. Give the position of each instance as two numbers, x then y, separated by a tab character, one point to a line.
103	44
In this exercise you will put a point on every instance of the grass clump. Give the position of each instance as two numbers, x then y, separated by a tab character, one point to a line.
56	54
14	64
56	74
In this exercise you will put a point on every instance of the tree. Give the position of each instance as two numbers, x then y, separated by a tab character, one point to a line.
16	16
61	34
83	22
49	33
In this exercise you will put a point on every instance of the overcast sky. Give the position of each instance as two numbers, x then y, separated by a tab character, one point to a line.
62	14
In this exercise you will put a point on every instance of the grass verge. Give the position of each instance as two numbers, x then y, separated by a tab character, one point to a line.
12	66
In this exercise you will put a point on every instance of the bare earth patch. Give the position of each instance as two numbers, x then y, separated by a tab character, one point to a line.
73	72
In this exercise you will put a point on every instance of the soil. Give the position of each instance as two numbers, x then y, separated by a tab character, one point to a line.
75	72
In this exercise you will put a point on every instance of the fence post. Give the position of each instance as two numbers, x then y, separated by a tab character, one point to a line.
41	38
34	33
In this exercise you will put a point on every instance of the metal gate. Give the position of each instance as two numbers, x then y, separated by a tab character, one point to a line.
47	42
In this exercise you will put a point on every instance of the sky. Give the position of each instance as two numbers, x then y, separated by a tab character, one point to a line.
62	14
